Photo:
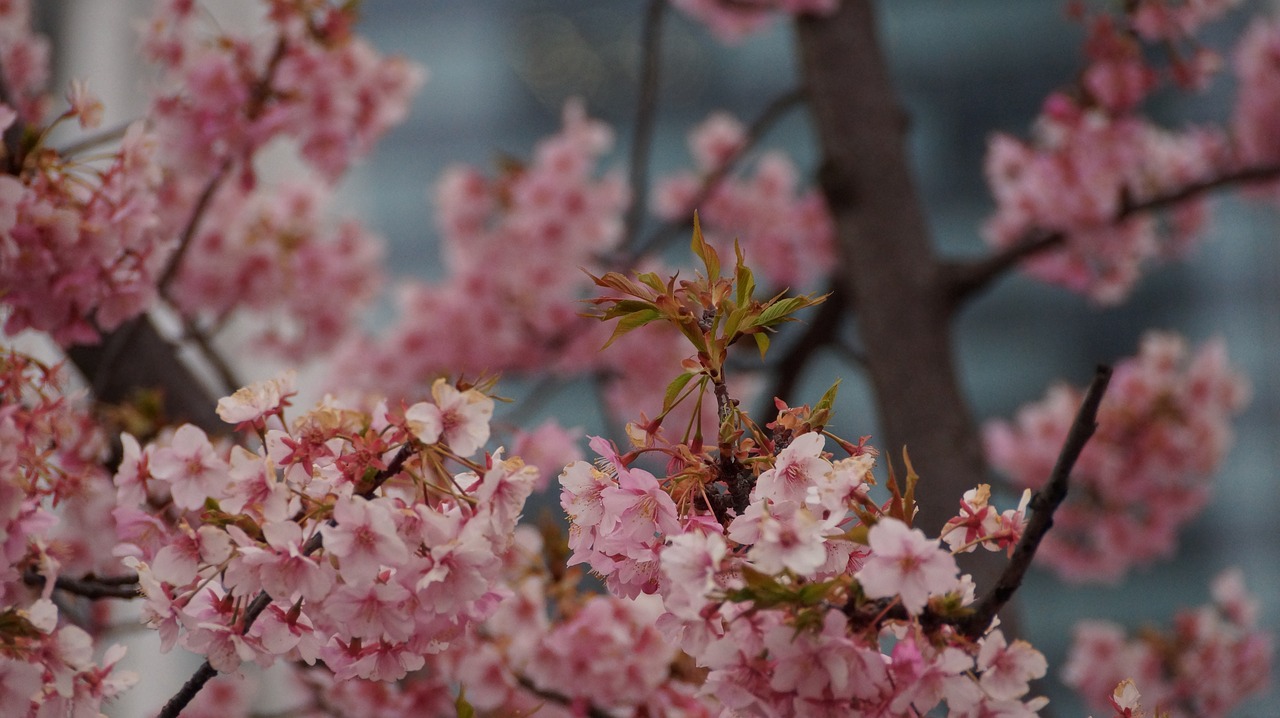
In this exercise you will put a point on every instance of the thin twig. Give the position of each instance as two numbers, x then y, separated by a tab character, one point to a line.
258	96
646	113
556	697
970	277
769	116
260	602
1043	505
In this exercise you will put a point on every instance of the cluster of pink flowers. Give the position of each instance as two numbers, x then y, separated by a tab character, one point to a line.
1093	160
733	20
222	97
80	245
781	602
784	230
84	244
367	576
501	315
1213	659
267	254
1162	431
53	499
24	62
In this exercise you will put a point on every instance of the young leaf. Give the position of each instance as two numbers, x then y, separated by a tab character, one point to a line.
762	342
631	321
704	251
673	389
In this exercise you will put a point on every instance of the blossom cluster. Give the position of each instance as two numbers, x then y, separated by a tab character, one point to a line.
1214	658
54	496
501	315
1094	162
788	602
1162	431
84	243
345	531
267	253
786	231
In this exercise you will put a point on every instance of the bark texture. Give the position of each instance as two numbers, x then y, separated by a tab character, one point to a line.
888	264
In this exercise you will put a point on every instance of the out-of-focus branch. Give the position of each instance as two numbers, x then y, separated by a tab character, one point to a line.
768	117
968	278
646	113
558	698
1043	505
90	587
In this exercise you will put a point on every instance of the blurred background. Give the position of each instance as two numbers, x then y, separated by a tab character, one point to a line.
500	72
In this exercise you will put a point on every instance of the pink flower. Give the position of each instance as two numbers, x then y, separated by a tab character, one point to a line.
464	417
364	538
904	563
192	468
253	403
1008	669
84	104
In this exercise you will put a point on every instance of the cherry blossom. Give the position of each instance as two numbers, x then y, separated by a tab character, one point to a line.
904	563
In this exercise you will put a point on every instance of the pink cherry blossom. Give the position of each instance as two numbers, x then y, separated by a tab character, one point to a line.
904	563
363	538
192	468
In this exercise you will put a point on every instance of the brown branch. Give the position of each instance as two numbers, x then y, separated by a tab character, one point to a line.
968	278
646	113
260	602
1043	505
756	131
125	587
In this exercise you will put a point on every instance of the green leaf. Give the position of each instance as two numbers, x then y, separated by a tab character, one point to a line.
828	399
631	321
673	389
704	251
746	282
780	310
762	342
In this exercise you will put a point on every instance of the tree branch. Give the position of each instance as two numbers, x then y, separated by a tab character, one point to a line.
646	112
769	116
1043	505
556	697
967	278
125	587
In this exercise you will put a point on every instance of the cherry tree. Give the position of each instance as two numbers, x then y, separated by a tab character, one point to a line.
369	548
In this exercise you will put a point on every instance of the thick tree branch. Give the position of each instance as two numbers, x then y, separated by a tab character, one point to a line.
966	279
1043	505
888	266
